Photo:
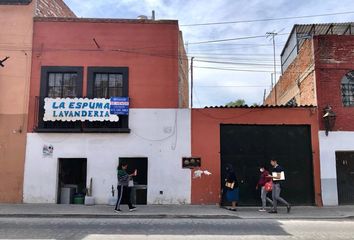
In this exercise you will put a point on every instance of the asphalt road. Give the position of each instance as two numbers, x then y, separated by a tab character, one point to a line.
127	229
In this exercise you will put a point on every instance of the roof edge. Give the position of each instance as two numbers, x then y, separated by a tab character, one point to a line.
104	20
261	106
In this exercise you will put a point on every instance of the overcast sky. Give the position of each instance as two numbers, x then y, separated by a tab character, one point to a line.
215	86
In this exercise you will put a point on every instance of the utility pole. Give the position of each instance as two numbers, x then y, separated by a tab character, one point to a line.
264	95
192	82
272	35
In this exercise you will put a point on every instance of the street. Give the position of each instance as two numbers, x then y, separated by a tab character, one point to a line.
93	228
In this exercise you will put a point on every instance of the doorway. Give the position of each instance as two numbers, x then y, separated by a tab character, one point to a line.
139	191
345	177
246	147
71	178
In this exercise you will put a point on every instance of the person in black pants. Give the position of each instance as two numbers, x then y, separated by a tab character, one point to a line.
123	187
278	177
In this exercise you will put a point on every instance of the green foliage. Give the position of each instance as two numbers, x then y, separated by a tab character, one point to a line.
237	103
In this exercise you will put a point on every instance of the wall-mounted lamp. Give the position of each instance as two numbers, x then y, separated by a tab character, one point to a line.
329	118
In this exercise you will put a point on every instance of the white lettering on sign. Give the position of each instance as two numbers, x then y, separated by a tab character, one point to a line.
78	109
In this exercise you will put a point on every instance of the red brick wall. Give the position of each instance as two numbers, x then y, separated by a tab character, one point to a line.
53	8
183	74
334	59
297	81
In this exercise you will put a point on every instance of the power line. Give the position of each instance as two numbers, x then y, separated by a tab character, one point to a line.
231	39
235	63
267	19
230	54
233	86
256	60
233	69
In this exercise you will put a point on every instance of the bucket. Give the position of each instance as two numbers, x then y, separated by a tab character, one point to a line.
79	199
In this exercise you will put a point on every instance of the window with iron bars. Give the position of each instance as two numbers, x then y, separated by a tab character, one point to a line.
347	87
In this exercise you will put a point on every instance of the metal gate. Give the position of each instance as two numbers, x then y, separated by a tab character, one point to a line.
248	146
345	177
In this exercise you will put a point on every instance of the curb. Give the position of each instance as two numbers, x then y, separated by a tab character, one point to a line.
170	216
120	216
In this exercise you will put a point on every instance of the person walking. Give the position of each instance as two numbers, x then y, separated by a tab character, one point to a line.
231	187
124	191
263	180
278	177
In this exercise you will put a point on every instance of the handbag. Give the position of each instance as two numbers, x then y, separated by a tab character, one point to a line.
131	183
230	185
268	186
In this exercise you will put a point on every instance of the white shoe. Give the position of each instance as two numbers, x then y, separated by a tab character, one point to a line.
132	209
262	210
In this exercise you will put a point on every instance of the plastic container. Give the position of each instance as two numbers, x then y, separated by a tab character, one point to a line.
79	199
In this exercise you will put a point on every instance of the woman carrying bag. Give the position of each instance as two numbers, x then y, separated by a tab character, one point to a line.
265	183
231	187
124	190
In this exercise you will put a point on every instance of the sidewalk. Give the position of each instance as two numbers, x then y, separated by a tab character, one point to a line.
170	211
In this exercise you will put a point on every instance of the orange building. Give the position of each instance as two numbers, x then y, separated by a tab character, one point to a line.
16	35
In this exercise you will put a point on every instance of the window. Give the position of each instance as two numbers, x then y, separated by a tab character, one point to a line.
292	102
106	82
108	85
61	82
347	86
62	85
58	82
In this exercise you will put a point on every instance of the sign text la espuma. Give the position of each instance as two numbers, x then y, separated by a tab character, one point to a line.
78	109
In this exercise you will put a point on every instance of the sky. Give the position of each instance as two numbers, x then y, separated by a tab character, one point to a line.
251	60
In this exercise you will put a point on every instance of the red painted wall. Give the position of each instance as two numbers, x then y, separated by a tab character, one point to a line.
148	48
334	58
206	142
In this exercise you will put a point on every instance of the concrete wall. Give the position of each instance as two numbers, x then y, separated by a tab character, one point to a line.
335	141
206	142
15	42
154	134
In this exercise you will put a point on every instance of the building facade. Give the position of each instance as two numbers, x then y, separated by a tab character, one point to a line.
320	73
16	35
94	60
247	137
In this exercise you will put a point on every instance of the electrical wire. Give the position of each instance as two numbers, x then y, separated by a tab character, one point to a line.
233	69
232	39
236	63
267	19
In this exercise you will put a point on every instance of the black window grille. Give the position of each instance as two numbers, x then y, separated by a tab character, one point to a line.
107	82
107	85
347	87
292	102
62	85
58	82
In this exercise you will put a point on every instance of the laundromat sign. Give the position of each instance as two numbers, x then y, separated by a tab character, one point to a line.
84	109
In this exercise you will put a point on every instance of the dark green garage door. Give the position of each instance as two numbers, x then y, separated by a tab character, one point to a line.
247	146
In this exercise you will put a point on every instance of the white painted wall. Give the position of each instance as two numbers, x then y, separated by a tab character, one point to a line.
161	135
335	141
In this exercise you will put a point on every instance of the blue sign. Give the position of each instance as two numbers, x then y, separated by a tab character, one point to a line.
119	106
